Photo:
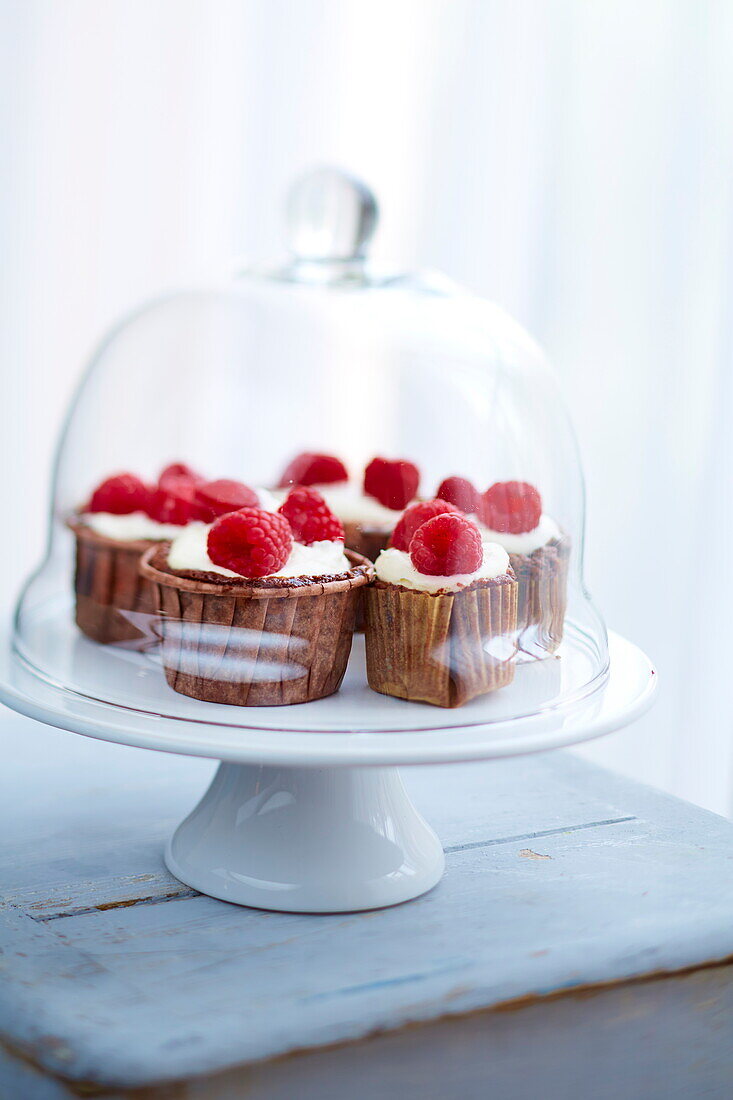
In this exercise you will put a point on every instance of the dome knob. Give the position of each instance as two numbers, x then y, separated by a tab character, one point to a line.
331	216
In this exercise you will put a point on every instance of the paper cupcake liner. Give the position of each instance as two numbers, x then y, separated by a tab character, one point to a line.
443	649
369	542
113	602
543	581
247	644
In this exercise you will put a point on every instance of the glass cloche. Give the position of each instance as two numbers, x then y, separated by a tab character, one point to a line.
321	495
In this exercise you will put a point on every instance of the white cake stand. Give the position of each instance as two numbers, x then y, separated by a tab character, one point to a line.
307	811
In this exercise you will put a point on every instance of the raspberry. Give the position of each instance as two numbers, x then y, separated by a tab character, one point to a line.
171	475
310	518
512	506
250	542
460	491
414	517
313	469
174	505
447	545
215	498
121	495
393	483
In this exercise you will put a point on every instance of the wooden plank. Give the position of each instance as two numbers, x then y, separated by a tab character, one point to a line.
48	901
21	1081
559	875
670	1039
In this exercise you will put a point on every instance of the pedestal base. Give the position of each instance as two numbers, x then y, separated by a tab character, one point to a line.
306	840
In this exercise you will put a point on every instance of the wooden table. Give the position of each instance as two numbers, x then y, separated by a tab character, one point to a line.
578	946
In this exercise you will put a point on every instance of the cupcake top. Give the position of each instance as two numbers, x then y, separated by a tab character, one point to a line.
438	549
189	553
303	539
524	542
388	486
135	527
509	513
127	509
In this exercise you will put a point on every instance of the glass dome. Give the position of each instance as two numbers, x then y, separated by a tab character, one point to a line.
463	613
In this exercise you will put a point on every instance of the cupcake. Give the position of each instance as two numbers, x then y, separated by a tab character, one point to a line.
368	511
258	608
123	518
442	613
510	514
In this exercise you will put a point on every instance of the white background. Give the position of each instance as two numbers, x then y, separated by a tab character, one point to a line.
571	159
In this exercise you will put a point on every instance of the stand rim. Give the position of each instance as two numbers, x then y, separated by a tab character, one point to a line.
626	693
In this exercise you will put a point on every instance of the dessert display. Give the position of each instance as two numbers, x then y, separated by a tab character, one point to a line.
254	595
250	596
123	518
219	603
257	608
510	514
368	512
441	616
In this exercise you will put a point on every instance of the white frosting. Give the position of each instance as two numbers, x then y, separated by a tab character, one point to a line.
351	505
189	551
395	567
130	528
268	500
138	525
348	502
527	541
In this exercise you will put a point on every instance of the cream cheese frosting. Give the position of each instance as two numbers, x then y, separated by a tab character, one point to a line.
527	541
139	525
189	552
268	501
395	567
351	505
130	528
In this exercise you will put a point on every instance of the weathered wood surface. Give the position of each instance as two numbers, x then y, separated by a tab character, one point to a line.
559	876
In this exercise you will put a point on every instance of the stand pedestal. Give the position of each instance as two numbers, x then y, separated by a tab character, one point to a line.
306	840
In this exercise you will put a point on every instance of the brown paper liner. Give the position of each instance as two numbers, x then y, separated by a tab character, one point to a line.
251	644
369	542
444	649
543	597
113	602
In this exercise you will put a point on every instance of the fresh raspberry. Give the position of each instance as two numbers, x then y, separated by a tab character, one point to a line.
310	518
512	506
121	495
250	542
414	517
174	505
446	545
460	491
172	474
393	483
313	469
216	498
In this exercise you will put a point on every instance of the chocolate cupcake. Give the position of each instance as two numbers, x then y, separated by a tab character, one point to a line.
123	519
511	515
441	618
113	602
278	636
542	576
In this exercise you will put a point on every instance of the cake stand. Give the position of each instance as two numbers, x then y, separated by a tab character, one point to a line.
307	811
